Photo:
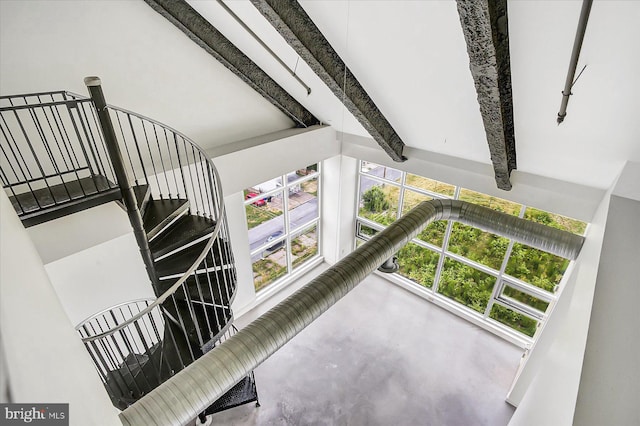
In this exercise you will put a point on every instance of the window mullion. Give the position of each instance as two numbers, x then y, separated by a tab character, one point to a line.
445	243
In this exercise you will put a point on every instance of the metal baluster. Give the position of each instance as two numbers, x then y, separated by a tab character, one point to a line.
47	147
198	174
153	163
96	123
64	135
135	140
194	317
184	329
204	305
164	171
123	336
193	188
126	147
173	170
6	184
184	182
218	324
35	157
88	140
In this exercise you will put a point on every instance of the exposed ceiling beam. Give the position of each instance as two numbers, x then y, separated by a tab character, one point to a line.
486	31
295	26
205	35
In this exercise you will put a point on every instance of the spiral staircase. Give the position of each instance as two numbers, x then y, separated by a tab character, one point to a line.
63	153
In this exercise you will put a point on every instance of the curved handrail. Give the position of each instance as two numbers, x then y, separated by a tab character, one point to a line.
214	235
111	308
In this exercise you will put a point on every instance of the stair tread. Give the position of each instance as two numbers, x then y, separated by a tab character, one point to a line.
178	263
61	193
184	231
241	393
159	213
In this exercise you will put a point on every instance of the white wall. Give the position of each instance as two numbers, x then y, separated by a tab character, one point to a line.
546	388
46	359
236	219
74	233
610	383
147	65
100	277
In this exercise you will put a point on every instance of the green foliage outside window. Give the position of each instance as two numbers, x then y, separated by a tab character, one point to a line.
466	285
266	271
519	322
380	204
525	298
542	269
555	220
474	244
418	264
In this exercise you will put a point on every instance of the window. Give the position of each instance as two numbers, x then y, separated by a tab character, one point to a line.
507	284
283	222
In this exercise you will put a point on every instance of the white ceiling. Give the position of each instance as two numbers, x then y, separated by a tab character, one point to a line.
410	56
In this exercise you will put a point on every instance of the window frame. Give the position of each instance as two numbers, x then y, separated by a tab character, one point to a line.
503	280
289	232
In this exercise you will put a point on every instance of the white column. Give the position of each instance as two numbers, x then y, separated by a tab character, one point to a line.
609	390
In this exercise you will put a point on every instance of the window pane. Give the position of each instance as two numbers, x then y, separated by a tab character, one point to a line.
269	185
309	170
555	220
483	247
494	203
525	298
466	285
272	266
381	171
303	203
536	267
365	230
418	264
378	201
430	185
434	233
304	246
518	322
264	220
412	199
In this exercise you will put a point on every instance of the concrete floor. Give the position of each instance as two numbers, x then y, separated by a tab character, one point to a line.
382	356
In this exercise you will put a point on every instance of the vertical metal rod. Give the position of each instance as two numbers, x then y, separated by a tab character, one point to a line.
575	55
126	147
128	196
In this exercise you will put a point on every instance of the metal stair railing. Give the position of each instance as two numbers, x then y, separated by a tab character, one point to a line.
173	167
55	139
48	140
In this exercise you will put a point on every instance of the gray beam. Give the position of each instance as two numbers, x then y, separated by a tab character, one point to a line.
295	26
486	31
198	29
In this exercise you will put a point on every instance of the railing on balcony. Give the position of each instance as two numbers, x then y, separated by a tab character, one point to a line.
52	152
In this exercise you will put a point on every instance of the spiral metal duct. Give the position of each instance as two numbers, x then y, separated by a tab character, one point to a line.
179	400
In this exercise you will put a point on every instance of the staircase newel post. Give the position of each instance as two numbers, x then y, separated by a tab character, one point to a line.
128	196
